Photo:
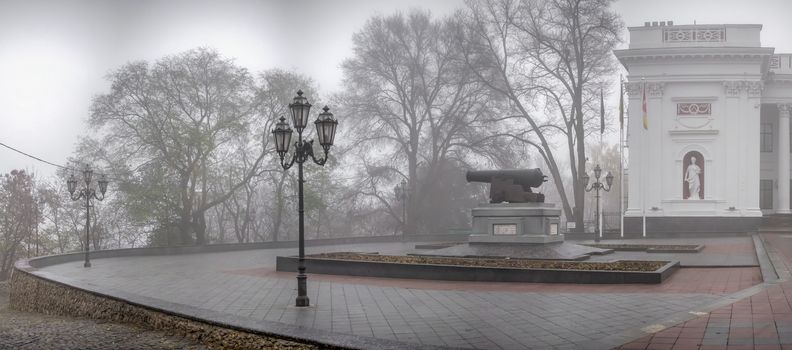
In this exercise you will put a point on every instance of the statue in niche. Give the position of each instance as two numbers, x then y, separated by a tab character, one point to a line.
693	184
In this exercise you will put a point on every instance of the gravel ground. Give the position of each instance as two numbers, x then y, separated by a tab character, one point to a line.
22	330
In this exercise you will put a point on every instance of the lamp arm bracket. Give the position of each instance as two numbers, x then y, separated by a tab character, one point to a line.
288	165
321	161
78	196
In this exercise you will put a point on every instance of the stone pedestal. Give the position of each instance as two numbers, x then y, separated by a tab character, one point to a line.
510	223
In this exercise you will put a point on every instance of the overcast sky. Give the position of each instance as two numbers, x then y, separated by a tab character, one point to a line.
54	55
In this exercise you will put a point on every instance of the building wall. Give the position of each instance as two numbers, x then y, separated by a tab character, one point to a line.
728	76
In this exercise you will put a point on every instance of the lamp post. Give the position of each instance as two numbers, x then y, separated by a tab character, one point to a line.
303	150
597	186
87	193
400	191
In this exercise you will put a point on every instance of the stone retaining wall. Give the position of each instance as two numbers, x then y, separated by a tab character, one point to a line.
43	261
31	293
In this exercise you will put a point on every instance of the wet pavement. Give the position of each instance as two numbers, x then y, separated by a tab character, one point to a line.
244	285
760	320
725	251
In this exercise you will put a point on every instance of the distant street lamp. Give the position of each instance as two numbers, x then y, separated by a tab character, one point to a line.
400	191
303	149
597	185
88	193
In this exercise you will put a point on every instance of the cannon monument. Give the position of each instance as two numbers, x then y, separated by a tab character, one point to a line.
515	213
513	186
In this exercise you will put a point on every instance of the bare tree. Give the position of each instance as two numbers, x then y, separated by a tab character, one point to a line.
415	106
263	197
549	58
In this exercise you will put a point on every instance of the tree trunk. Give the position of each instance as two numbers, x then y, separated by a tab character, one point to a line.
199	223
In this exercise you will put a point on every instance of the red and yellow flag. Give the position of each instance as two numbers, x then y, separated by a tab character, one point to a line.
621	103
643	108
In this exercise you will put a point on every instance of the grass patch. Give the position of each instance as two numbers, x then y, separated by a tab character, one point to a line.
626	265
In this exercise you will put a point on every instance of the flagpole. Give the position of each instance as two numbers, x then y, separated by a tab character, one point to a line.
621	181
599	156
621	156
644	144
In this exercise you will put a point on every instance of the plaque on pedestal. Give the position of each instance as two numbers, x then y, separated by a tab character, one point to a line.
527	223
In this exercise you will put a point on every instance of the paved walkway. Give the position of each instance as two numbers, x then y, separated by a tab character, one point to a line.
22	330
456	314
724	251
760	321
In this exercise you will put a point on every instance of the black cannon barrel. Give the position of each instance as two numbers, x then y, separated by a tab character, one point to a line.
525	177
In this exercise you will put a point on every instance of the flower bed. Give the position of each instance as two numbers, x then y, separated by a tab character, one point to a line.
481	269
625	265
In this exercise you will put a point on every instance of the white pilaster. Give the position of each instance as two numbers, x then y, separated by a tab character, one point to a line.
783	159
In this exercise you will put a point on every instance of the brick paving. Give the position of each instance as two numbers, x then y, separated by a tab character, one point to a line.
22	330
760	321
723	251
456	314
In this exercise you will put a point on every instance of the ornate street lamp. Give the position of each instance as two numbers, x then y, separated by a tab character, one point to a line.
88	193
400	191
597	186
303	150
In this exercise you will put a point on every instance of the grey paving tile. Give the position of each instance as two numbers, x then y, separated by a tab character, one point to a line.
482	319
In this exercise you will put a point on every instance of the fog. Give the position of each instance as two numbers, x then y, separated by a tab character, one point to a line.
456	168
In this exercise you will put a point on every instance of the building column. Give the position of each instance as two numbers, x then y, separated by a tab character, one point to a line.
783	159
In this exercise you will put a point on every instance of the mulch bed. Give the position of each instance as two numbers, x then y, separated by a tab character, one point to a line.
626	265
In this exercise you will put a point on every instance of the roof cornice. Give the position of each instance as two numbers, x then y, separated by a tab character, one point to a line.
692	26
626	56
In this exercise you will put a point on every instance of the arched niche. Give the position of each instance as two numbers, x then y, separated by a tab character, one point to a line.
692	171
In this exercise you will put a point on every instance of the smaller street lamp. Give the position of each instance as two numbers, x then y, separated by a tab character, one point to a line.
597	186
400	190
87	193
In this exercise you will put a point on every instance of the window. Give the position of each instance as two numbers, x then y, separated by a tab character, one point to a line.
766	137
766	194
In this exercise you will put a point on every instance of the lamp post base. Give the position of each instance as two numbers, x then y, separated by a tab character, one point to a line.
302	293
87	264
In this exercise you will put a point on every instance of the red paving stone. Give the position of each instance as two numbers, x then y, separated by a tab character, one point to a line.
761	321
721	280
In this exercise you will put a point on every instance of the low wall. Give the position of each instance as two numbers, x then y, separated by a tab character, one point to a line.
473	273
228	247
683	226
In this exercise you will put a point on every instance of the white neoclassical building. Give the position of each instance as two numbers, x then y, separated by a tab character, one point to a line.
715	155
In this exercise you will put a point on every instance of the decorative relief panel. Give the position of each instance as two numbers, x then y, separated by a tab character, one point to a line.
784	109
694	109
653	89
775	62
732	88
633	89
694	35
693	116
753	88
